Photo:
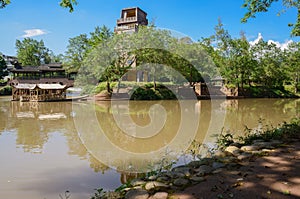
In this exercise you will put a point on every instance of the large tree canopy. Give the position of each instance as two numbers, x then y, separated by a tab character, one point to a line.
32	52
63	3
256	6
79	47
3	71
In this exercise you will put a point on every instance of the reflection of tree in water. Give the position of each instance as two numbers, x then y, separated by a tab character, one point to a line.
34	124
127	177
30	137
249	112
4	114
139	113
96	165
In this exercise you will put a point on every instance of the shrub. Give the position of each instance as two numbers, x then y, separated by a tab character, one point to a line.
6	90
147	92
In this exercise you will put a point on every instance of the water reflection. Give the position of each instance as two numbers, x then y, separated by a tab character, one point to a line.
136	136
34	122
49	132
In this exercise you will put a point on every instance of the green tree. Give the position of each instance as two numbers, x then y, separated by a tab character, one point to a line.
80	46
3	67
292	63
108	62
255	6
150	49
222	52
32	52
193	62
63	3
76	52
99	35
241	62
269	70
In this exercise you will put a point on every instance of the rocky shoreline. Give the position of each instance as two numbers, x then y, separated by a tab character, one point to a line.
232	158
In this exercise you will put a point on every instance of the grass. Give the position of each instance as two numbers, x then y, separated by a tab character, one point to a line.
283	131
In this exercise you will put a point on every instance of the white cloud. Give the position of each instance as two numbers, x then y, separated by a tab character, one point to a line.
259	37
34	32
282	46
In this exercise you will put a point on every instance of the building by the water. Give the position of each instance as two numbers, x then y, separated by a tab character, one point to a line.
43	83
130	21
39	92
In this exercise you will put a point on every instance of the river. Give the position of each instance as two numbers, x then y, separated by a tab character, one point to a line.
49	148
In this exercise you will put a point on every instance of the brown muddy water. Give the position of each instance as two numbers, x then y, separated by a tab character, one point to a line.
48	148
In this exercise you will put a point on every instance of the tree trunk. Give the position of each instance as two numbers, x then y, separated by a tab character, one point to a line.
119	84
108	87
296	83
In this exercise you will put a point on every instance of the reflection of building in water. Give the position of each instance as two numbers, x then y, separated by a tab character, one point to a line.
35	122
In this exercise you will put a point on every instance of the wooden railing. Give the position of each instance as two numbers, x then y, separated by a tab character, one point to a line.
128	19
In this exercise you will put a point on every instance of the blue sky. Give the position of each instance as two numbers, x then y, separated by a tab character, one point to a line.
195	18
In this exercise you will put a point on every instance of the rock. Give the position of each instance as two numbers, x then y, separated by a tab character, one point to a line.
152	177
217	165
250	148
198	163
181	182
137	194
220	154
181	169
266	145
137	182
160	195
112	194
203	170
218	171
227	160
244	156
275	142
181	175
173	174
267	150
197	179
233	150
236	144
163	179
259	140
232	166
155	185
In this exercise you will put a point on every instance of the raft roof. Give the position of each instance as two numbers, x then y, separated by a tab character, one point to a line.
41	86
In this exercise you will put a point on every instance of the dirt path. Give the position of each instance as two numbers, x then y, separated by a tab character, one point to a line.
275	176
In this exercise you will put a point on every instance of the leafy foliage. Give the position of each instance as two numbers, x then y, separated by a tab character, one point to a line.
3	67
256	6
80	46
63	3
147	92
31	52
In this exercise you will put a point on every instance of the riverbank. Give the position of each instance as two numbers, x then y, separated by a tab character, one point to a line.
264	165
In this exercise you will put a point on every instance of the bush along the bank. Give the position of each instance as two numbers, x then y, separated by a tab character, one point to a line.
6	90
265	92
148	92
227	156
